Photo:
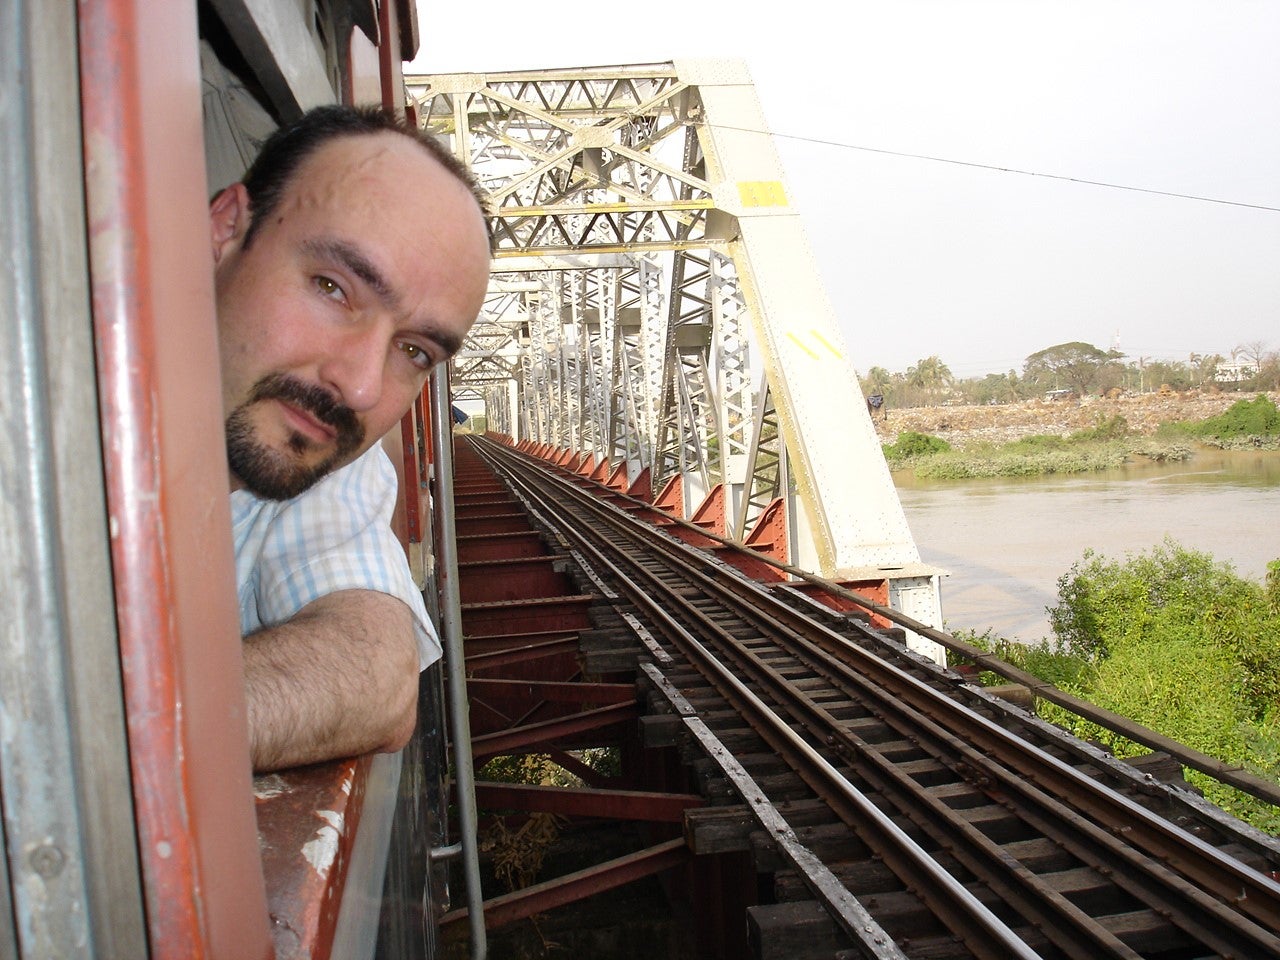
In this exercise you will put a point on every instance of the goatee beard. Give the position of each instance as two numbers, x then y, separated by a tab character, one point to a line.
281	474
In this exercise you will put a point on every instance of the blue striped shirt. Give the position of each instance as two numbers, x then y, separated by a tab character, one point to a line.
335	536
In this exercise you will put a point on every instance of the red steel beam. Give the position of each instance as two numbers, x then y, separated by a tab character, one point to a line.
557	692
548	731
609	875
511	616
520	653
641	805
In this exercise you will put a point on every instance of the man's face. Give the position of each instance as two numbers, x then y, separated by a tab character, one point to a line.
369	272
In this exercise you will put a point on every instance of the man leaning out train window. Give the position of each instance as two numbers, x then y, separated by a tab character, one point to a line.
350	260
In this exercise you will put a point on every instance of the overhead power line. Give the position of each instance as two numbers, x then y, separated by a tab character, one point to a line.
999	169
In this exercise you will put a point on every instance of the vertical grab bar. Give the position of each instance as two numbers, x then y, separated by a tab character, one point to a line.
446	569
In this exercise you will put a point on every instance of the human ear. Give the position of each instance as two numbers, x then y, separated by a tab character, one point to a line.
228	219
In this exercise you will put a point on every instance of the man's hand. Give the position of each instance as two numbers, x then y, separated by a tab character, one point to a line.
338	680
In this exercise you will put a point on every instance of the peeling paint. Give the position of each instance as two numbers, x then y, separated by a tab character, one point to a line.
323	850
266	787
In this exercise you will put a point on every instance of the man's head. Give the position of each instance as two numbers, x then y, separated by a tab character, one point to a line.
351	259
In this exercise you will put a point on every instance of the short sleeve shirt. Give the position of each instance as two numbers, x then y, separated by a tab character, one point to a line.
335	536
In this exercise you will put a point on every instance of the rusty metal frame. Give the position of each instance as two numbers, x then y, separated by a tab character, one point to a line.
547	731
567	692
541	897
645	805
71	884
152	300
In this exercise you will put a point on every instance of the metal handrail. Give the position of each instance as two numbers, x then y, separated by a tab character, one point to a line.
446	570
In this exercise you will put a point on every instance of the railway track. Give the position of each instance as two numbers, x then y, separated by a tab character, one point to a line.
923	816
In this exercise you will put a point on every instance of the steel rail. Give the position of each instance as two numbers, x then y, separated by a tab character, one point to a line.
954	905
1137	873
1262	887
1230	774
826	888
1253	893
1062	922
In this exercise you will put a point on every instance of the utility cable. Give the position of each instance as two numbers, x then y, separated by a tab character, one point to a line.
999	169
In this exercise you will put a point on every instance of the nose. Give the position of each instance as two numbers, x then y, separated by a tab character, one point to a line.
354	369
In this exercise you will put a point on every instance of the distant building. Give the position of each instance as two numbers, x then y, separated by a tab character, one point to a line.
1234	371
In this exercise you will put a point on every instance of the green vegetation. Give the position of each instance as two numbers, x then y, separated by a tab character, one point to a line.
1180	644
1002	462
1082	367
1244	423
1077	366
541	769
910	444
1107	444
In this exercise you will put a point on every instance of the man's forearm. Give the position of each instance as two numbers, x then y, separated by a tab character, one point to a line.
338	680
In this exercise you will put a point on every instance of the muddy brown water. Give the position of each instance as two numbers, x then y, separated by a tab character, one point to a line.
1005	542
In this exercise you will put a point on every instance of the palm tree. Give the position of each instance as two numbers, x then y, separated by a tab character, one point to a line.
930	374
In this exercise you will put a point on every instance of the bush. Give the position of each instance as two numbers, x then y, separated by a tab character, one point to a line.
1106	428
911	444
1109	443
1015	460
1050	661
1036	443
1258	417
1182	645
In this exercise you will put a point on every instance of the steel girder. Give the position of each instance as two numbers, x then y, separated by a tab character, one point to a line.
651	281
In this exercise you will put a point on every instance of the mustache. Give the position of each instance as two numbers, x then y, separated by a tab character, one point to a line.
317	401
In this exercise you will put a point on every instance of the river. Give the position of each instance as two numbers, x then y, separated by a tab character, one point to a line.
1005	542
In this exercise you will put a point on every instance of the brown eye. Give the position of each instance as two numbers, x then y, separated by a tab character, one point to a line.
417	356
328	287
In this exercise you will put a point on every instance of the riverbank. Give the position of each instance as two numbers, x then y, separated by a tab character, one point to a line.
963	426
1005	541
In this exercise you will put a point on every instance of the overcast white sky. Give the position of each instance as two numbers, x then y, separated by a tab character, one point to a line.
978	266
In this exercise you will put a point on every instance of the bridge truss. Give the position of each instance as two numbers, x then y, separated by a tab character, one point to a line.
655	304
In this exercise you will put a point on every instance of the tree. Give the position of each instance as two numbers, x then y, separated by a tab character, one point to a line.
1268	377
878	380
993	388
1266	363
1171	372
1205	367
930	374
1076	365
1255	351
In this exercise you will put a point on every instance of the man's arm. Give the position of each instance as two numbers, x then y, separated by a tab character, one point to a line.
337	680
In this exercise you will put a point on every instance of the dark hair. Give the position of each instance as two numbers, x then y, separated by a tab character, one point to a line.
287	147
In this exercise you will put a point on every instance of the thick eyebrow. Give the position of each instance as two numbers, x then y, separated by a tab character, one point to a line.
351	257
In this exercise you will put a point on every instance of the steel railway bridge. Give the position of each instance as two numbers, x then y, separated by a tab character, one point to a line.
679	541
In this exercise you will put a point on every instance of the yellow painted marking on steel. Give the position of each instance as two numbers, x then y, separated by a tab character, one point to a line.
796	340
826	343
762	193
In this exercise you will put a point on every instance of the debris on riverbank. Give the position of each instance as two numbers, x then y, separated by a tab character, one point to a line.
963	426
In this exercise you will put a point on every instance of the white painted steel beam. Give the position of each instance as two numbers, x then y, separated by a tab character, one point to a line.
651	278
